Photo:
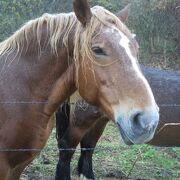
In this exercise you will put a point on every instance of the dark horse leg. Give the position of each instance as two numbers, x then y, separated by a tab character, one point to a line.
89	141
70	134
62	123
67	144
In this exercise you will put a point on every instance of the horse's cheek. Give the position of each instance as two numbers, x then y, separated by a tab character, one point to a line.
88	86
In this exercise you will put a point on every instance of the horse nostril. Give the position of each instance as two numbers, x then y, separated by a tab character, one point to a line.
136	120
141	122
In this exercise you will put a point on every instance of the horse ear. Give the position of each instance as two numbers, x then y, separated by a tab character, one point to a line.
82	10
124	13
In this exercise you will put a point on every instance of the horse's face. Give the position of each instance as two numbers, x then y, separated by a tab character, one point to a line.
114	82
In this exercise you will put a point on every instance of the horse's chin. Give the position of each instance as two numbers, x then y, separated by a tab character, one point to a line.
126	140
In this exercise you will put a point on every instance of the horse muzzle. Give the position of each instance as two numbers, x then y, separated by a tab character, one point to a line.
139	127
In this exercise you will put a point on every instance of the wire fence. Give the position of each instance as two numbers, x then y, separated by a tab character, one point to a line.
153	14
159	22
62	149
70	149
112	150
58	149
46	102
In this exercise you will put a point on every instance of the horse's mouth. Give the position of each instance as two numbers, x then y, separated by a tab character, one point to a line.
124	136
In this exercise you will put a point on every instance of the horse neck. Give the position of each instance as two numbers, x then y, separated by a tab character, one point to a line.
64	84
40	70
55	79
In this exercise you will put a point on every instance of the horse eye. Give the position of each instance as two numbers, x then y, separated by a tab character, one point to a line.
98	51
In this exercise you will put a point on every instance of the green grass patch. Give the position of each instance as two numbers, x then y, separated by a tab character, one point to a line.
113	160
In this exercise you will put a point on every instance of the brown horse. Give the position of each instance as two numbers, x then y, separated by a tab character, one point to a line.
166	88
51	57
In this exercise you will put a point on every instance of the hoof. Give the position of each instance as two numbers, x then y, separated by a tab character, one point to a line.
82	177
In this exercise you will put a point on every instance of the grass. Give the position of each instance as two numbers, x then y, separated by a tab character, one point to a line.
116	161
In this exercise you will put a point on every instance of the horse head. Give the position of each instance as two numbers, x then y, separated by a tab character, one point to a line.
108	74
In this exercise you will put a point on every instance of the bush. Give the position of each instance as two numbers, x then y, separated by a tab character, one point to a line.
156	22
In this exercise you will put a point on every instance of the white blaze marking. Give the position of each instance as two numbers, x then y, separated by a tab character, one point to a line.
124	43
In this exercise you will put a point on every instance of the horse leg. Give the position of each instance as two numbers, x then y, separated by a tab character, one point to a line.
8	173
4	169
16	173
67	145
63	166
90	139
78	126
62	120
62	123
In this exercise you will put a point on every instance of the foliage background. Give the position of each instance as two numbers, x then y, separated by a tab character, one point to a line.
156	23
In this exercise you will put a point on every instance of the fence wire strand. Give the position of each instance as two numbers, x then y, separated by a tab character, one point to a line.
46	102
100	148
61	149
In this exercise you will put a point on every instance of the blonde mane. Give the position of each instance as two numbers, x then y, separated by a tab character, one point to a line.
62	24
56	26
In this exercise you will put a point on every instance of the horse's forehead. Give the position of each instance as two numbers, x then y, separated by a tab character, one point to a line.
116	37
121	42
111	31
